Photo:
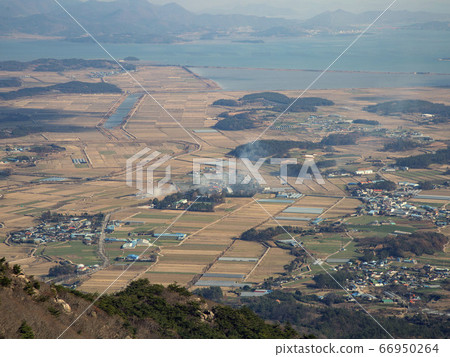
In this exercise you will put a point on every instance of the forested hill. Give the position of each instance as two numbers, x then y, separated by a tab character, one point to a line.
31	309
69	87
62	65
441	112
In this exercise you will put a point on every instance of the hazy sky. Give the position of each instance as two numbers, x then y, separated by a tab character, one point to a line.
308	8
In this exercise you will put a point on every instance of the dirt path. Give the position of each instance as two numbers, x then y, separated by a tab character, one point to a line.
330	208
257	264
101	243
343	247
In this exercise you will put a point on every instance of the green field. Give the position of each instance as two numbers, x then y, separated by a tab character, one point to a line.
426	175
155	215
382	229
348	253
113	250
33	211
75	251
164	241
440	259
118	234
368	219
324	245
149	227
185	229
195	259
318	244
362	223
432	204
197	218
30	203
193	246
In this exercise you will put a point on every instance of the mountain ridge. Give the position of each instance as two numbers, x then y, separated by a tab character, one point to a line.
33	309
138	17
341	18
141	21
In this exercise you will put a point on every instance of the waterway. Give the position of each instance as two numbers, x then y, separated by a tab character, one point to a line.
122	111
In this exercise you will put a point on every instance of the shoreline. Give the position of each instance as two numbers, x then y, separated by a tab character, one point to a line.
317	70
262	79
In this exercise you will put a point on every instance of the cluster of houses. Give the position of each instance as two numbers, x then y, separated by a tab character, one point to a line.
377	202
408	134
102	74
368	171
338	123
17	148
73	228
330	123
385	275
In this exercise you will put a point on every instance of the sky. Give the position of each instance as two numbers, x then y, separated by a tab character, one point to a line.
306	8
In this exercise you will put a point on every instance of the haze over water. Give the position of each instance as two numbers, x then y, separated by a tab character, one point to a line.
379	51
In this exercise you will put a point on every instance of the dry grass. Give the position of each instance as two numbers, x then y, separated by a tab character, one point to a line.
271	265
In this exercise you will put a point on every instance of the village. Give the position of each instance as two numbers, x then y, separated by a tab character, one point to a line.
338	123
379	202
70	228
392	281
395	281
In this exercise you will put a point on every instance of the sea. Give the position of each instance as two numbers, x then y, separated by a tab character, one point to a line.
380	58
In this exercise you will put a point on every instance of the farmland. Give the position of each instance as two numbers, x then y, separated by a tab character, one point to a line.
75	251
89	175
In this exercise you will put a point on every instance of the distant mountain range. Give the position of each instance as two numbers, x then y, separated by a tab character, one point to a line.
141	21
128	19
344	19
258	9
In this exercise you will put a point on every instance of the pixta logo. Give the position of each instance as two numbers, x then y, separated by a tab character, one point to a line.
206	170
146	161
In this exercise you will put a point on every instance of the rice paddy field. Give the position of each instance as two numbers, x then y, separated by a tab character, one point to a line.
416	175
271	265
113	278
89	176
